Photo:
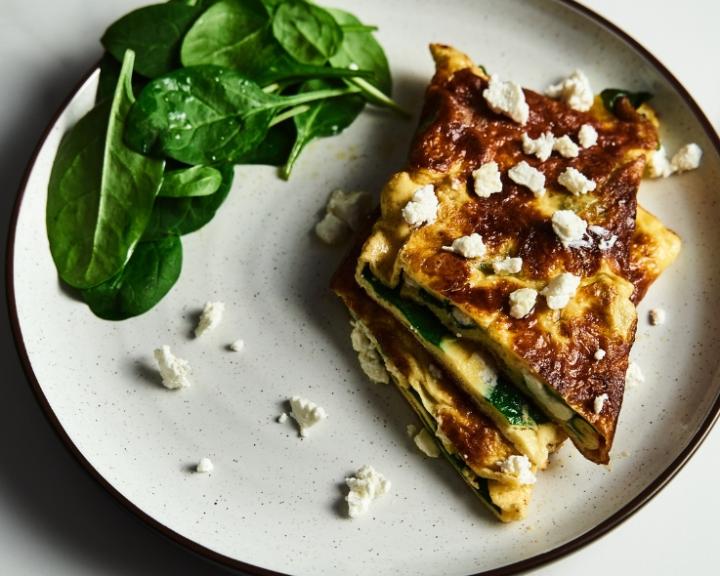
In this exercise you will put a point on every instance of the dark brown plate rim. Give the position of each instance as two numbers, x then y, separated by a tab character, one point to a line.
556	553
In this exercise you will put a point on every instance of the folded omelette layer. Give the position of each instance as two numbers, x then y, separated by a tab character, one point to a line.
549	354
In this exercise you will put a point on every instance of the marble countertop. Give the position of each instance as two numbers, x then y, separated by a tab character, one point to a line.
55	519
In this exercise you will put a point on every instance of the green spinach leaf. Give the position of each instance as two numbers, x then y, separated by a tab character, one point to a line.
178	216
100	193
154	33
207	114
610	96
323	118
189	182
275	149
151	272
307	32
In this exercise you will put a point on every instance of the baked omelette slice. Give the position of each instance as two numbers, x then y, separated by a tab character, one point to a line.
548	353
468	439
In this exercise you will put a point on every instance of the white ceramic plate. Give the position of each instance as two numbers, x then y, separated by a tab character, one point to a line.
274	501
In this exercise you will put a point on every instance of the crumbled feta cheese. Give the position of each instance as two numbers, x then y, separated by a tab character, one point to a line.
471	246
541	147
599	230
525	175
599	402
576	182
411	430
486	180
174	371
423	207
575	91
519	467
306	413
210	318
237	346
599	354
607	239
657	316
522	301
560	290
658	165
507	266
282	418
507	98
350	207
566	147
426	444
367	485
634	375
205	466
370	360
568	227
461	318
587	136
331	229
687	158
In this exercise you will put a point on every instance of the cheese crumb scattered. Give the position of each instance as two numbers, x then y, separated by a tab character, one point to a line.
237	346
658	165
599	403
575	91
306	413
423	207
634	376
522	302
282	418
519	467
366	486
576	182
507	266
205	466
368	355
541	147
599	354
486	180
331	229
566	147
426	444
587	136
344	212
525	175
471	246
507	98
687	158
568	227
174	371
657	316
411	430
210	318
560	290
461	318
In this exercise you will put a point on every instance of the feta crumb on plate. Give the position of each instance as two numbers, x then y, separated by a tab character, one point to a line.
423	207
599	403
507	98
687	158
471	246
525	175
599	354
658	164
576	182
344	212
541	147
237	346
568	227
306	413
205	466
411	430
566	147
657	316
282	418
174	371
486	180
575	91
210	318
522	302
426	444
507	265
560	290
368	355
587	136
365	486
331	229
519	467
634	376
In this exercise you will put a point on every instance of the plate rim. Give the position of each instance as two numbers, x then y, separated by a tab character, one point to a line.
573	545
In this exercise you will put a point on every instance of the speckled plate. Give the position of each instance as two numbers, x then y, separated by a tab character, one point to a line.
275	501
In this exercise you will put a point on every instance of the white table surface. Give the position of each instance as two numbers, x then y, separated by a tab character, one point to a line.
54	519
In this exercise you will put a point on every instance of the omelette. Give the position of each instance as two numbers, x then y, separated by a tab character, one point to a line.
550	309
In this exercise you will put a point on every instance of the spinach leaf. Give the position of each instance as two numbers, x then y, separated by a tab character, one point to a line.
154	33
308	33
188	182
207	114
221	34
275	149
109	73
323	118
610	96
100	193
178	216
148	276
